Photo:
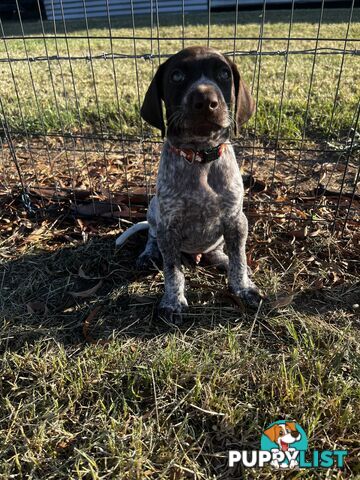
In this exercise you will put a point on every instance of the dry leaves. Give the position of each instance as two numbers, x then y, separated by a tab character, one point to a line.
282	301
83	275
87	293
298	234
87	324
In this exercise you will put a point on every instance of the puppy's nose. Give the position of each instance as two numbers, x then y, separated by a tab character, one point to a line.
204	99
295	433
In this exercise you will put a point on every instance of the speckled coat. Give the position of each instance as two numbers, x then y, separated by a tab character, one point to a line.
198	209
198	206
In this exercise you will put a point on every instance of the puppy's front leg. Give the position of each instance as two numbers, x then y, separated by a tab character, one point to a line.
235	235
173	302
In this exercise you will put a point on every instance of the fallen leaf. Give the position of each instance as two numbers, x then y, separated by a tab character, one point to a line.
37	234
56	194
299	234
87	293
87	322
299	213
335	279
61	445
318	284
124	213
315	233
83	275
253	264
67	442
91	209
108	210
282	301
82	224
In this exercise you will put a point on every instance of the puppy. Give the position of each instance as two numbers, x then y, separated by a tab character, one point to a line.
198	206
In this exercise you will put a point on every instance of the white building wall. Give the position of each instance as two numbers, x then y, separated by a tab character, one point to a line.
73	9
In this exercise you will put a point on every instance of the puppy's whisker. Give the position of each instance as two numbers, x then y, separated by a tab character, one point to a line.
177	120
231	121
174	121
175	117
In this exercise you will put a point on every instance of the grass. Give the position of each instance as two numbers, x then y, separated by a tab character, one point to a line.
93	384
96	386
48	97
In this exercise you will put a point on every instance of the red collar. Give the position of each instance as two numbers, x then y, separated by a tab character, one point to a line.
200	156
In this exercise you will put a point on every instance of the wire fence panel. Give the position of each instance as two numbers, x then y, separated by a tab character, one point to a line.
71	92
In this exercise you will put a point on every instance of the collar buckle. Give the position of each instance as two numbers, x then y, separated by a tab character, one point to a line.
190	157
211	154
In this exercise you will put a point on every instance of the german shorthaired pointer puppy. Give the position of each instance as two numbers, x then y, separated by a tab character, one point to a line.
198	205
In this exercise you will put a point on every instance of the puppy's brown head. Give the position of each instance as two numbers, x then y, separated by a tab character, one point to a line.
199	87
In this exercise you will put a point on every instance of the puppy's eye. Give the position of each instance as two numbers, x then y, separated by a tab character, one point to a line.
281	433
224	74
177	76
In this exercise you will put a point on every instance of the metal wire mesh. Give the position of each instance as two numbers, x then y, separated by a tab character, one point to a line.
72	92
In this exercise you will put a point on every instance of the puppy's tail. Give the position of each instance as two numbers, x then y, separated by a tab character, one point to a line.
120	241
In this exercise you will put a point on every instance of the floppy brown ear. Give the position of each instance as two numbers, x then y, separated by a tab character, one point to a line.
151	109
272	433
244	102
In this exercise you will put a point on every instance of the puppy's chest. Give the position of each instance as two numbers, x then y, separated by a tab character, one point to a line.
202	193
197	199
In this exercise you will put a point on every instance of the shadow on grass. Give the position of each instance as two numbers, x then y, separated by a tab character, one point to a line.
92	292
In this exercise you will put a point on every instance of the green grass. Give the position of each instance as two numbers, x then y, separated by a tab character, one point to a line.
158	401
150	400
159	408
56	108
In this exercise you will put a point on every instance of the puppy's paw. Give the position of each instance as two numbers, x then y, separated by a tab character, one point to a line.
171	309
250	294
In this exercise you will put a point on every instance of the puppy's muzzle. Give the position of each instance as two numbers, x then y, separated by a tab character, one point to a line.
203	100
205	109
